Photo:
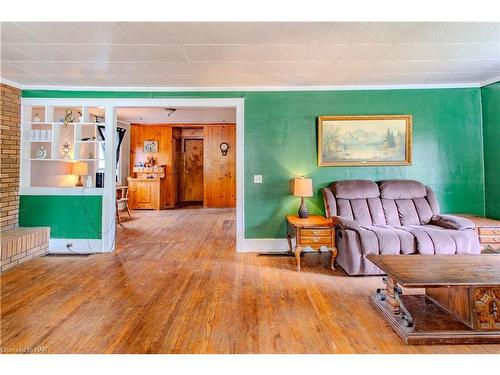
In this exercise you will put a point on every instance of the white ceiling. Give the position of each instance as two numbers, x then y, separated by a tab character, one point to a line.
185	115
248	54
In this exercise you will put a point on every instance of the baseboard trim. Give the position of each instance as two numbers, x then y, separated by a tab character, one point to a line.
79	246
249	245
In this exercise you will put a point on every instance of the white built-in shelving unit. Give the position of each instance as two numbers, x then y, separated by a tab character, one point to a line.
44	128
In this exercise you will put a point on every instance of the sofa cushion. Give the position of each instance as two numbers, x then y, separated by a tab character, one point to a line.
355	189
432	239
401	189
421	239
387	240
364	211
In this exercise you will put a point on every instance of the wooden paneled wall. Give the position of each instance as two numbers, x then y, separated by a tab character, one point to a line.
219	171
164	156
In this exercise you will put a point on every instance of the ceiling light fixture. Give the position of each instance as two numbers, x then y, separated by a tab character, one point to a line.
170	111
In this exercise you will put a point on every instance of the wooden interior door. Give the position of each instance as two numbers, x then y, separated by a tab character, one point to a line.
192	176
220	170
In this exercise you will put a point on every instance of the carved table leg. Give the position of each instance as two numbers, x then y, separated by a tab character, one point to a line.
405	314
298	249
390	297
333	258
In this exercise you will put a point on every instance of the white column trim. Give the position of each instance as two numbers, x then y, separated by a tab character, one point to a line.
109	194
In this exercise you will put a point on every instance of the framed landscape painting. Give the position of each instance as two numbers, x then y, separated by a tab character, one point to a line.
364	140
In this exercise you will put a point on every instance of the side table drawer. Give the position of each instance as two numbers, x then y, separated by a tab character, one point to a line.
489	231
489	239
327	241
316	232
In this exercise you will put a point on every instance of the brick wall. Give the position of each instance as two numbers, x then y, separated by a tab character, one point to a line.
22	244
10	134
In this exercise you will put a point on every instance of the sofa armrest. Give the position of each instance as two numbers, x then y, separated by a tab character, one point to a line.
452	222
345	223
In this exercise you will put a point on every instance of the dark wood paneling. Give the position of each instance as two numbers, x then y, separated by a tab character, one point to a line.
192	171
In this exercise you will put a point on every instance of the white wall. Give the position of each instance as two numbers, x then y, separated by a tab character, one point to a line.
180	116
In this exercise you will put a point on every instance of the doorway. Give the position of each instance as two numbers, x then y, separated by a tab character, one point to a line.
191	173
225	166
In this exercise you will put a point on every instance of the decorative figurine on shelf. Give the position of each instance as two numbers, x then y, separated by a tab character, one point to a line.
66	149
88	182
150	162
91	155
68	117
40	152
36	118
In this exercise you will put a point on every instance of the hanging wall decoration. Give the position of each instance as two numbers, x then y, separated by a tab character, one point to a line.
224	148
364	140
150	146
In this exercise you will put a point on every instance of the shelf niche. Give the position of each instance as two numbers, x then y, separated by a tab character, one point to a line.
44	127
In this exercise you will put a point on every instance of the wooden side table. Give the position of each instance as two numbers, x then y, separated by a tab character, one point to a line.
315	231
488	231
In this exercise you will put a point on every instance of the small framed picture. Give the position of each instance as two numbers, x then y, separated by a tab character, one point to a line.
150	146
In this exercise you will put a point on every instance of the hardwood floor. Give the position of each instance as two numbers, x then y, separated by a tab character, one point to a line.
176	285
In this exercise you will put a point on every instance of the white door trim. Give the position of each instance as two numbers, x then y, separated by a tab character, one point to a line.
109	189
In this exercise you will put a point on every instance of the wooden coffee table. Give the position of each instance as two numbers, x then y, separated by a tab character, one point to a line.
461	303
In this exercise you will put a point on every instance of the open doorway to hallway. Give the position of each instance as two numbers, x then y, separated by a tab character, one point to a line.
175	159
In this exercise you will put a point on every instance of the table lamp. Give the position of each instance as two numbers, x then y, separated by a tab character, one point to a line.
302	187
80	169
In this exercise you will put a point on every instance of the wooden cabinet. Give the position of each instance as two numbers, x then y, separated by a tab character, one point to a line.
314	232
488	231
147	193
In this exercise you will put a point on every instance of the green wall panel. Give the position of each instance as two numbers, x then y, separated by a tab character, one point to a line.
68	216
491	131
281	143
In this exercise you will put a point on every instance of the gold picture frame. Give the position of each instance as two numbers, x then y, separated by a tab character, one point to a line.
355	141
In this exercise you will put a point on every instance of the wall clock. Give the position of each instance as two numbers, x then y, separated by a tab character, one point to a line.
150	146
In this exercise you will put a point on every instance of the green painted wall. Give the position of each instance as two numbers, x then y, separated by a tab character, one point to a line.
281	142
491	131
67	216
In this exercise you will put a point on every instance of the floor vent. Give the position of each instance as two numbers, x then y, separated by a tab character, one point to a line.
228	224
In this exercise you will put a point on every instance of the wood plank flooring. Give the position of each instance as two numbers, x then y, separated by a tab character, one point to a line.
176	285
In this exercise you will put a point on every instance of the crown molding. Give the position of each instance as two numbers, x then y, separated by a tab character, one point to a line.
490	81
252	88
11	83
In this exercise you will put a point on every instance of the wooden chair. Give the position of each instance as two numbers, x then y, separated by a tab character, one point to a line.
122	197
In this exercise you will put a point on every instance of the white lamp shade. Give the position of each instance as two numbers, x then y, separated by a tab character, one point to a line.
302	187
80	168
